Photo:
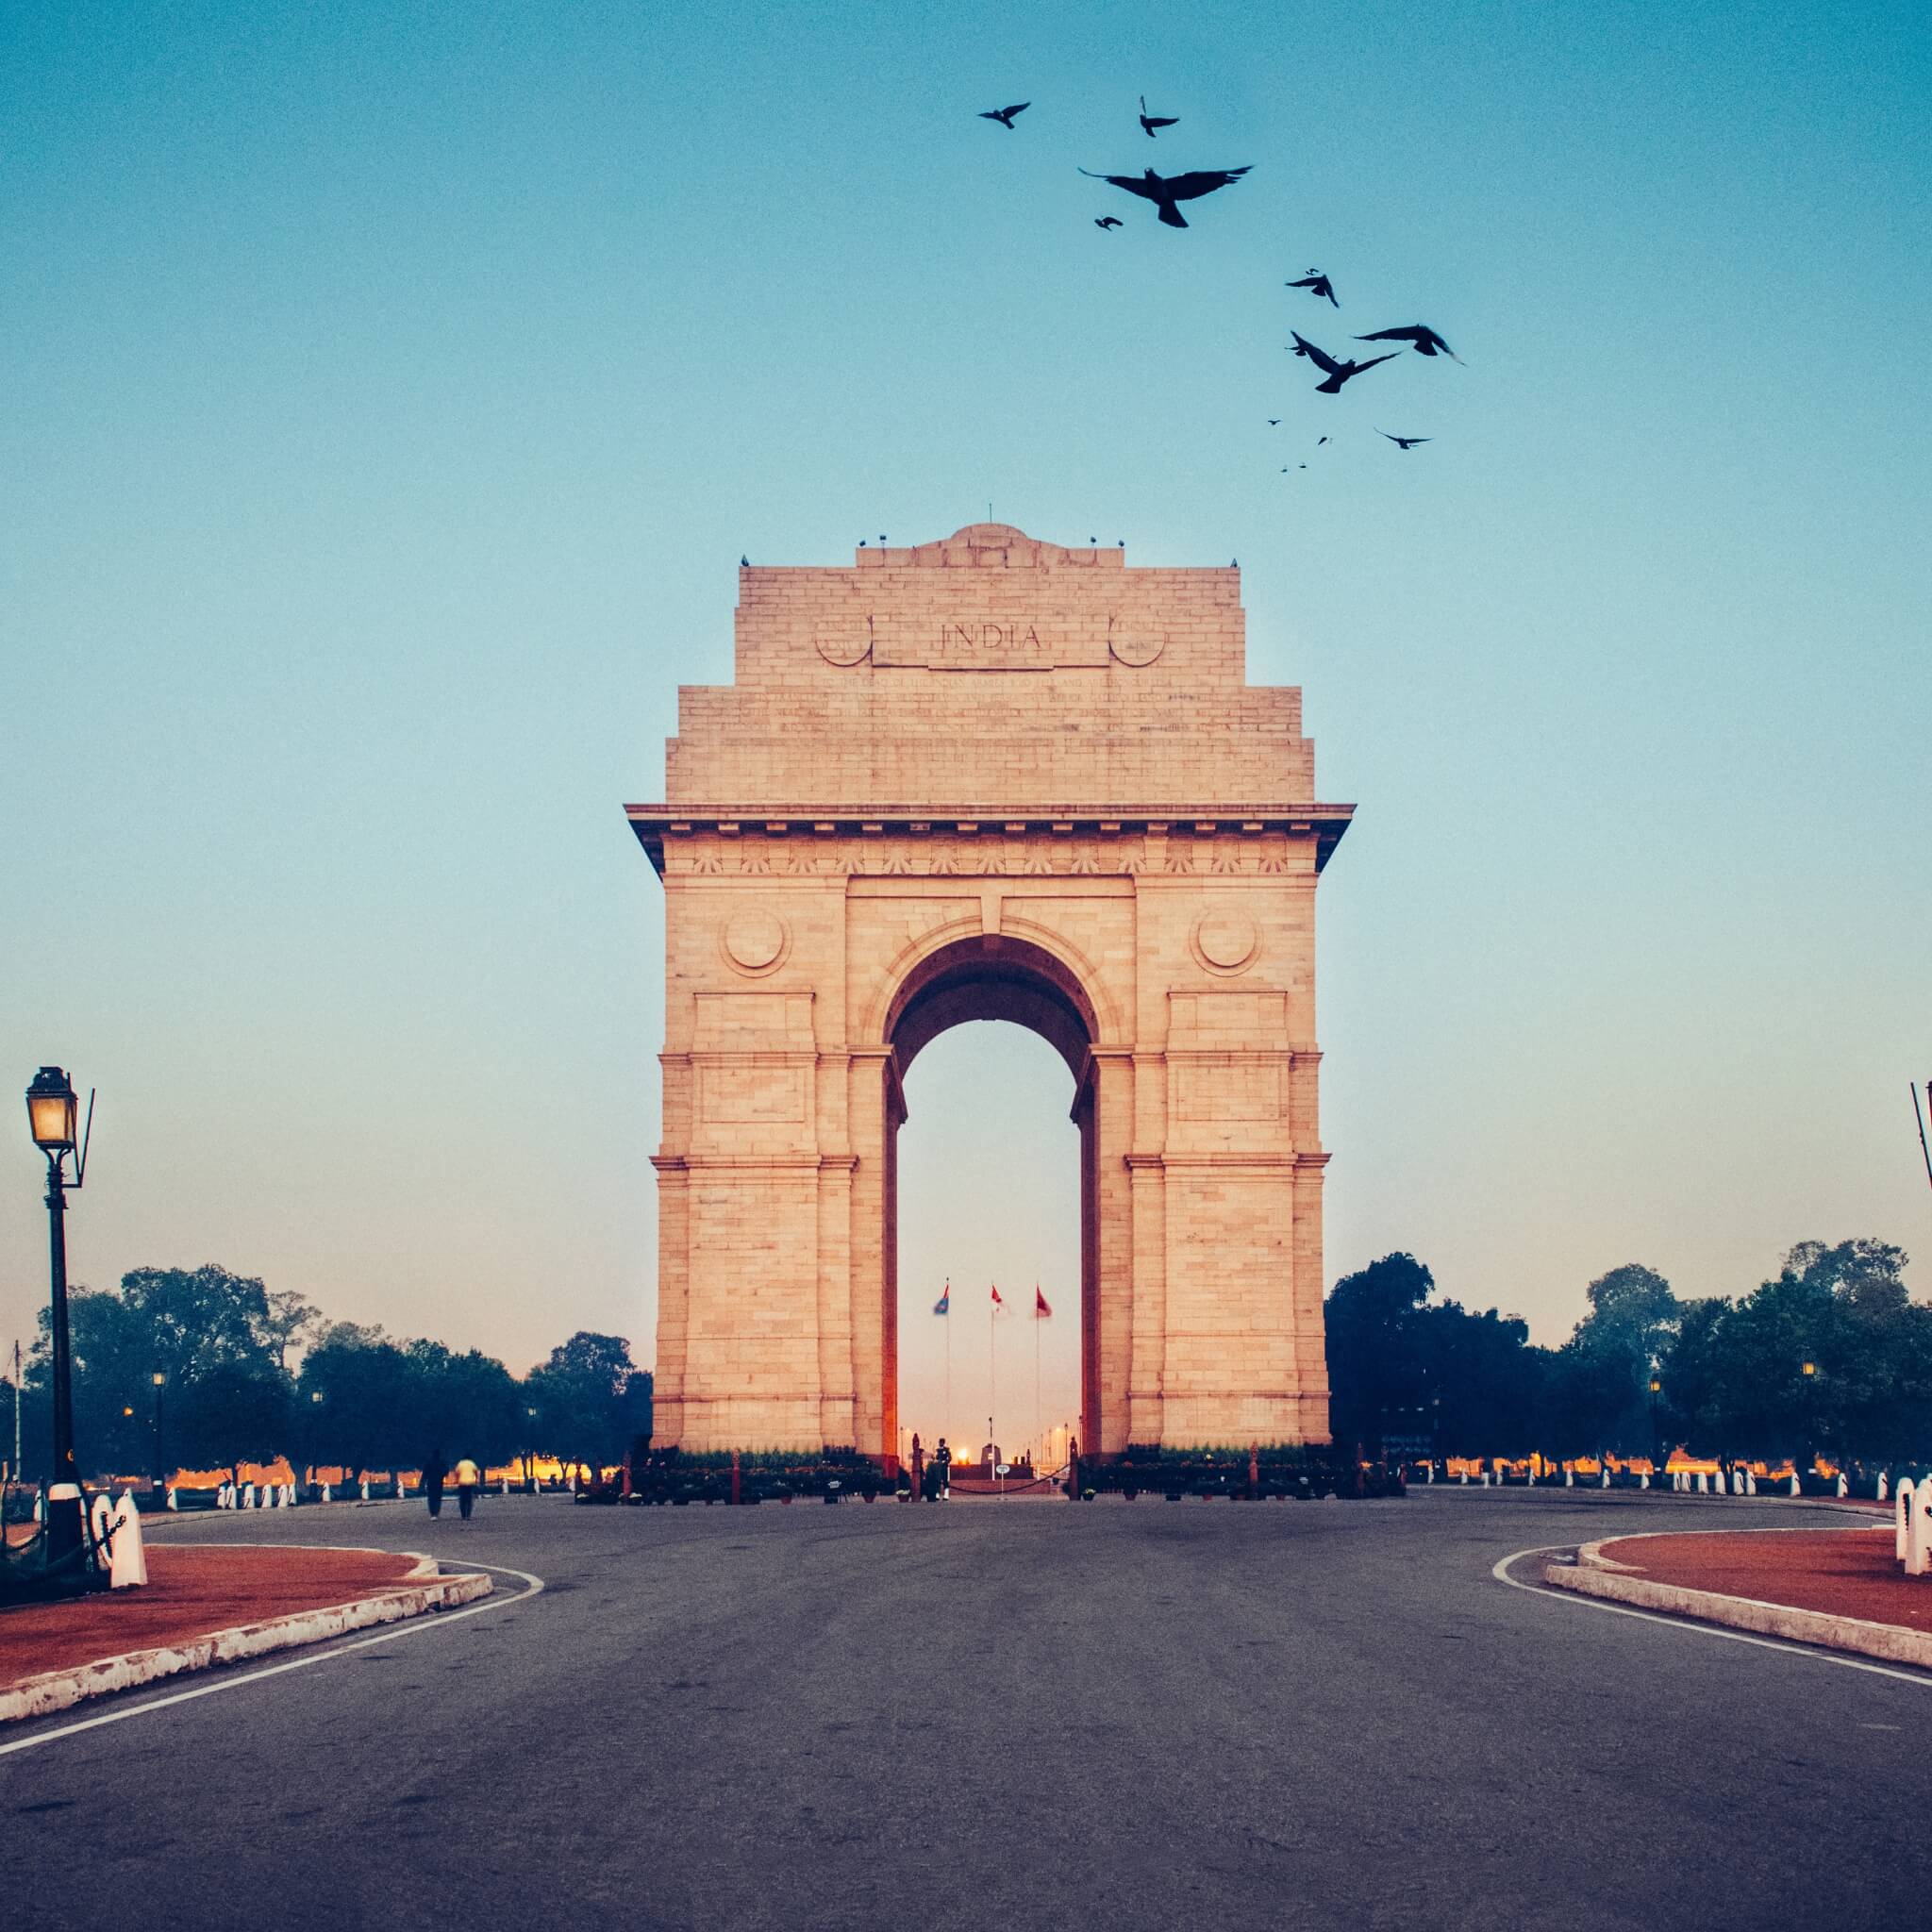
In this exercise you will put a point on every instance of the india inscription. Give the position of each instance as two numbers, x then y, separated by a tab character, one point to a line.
1105	834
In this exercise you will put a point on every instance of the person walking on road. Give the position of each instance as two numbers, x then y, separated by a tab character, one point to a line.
433	1473
467	1478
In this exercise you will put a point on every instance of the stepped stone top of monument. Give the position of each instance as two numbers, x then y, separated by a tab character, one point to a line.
987	670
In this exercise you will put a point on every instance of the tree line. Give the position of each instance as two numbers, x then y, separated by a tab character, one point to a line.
221	1346
1830	1357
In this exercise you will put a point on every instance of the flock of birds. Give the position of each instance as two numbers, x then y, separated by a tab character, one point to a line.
1166	191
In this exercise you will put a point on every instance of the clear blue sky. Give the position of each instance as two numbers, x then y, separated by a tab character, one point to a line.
393	388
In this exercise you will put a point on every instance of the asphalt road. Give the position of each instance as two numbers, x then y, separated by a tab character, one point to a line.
982	1715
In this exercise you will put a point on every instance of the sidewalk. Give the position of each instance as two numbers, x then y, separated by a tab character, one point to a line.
1841	1587
210	1604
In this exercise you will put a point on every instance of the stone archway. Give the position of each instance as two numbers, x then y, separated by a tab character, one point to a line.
988	978
989	772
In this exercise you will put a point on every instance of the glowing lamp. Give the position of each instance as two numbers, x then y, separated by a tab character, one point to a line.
50	1111
1811	1368
160	1380
1655	1385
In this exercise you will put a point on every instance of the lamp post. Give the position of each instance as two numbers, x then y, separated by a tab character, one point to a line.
1809	1372
1657	1441
160	1461
50	1112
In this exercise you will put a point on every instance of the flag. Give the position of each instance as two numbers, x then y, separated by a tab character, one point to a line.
944	1304
996	1298
1040	1307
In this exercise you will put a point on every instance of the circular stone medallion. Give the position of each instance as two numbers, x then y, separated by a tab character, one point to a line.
1137	649
843	641
1225	941
754	940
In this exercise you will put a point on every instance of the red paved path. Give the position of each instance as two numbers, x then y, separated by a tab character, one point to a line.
1849	1573
191	1591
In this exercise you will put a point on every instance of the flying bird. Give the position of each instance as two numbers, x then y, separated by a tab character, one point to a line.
1164	191
1336	373
1004	115
1274	422
1106	220
1426	340
1320	441
1149	122
1318	284
1405	442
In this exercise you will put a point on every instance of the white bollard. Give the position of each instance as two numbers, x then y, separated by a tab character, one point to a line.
328	1493
1464	1478
399	1489
1432	1472
100	1519
1881	1486
365	1489
125	1554
1569	1477
1750	1483
1605	1481
1902	1511
1919	1531
1843	1487
505	1486
173	1502
1643	1480
1796	1490
248	1497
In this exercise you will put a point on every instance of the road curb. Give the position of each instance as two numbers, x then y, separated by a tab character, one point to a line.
1595	1575
424	1589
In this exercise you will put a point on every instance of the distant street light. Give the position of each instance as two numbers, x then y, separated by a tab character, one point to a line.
160	1461
51	1119
1657	1440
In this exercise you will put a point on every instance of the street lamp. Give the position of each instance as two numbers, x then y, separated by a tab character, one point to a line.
1657	1442
51	1119
160	1464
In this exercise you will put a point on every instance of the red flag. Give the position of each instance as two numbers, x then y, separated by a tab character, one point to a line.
996	1297
1040	1307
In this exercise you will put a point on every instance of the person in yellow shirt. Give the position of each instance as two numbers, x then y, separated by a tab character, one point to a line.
468	1479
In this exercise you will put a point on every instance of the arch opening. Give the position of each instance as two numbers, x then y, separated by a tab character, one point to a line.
994	978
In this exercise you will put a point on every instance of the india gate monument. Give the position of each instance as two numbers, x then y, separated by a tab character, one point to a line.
990	779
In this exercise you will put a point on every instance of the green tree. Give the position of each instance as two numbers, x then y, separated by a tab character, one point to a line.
589	1397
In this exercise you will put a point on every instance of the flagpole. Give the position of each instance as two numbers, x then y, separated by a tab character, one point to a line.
946	1421
992	1374
1036	1367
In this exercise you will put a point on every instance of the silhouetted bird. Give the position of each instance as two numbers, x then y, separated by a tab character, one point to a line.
1149	122
744	563
1106	220
1320	441
1274	422
1320	285
1336	373
1004	115
1405	442
1426	340
1164	191
1234	564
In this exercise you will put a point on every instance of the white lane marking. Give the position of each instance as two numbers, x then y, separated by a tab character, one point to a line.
1500	1572
413	1626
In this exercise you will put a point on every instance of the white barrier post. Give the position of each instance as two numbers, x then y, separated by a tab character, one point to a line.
1881	1486
328	1493
172	1502
1796	1490
1918	1530
1843	1487
1903	1511
1643	1480
505	1486
365	1489
1604	1482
